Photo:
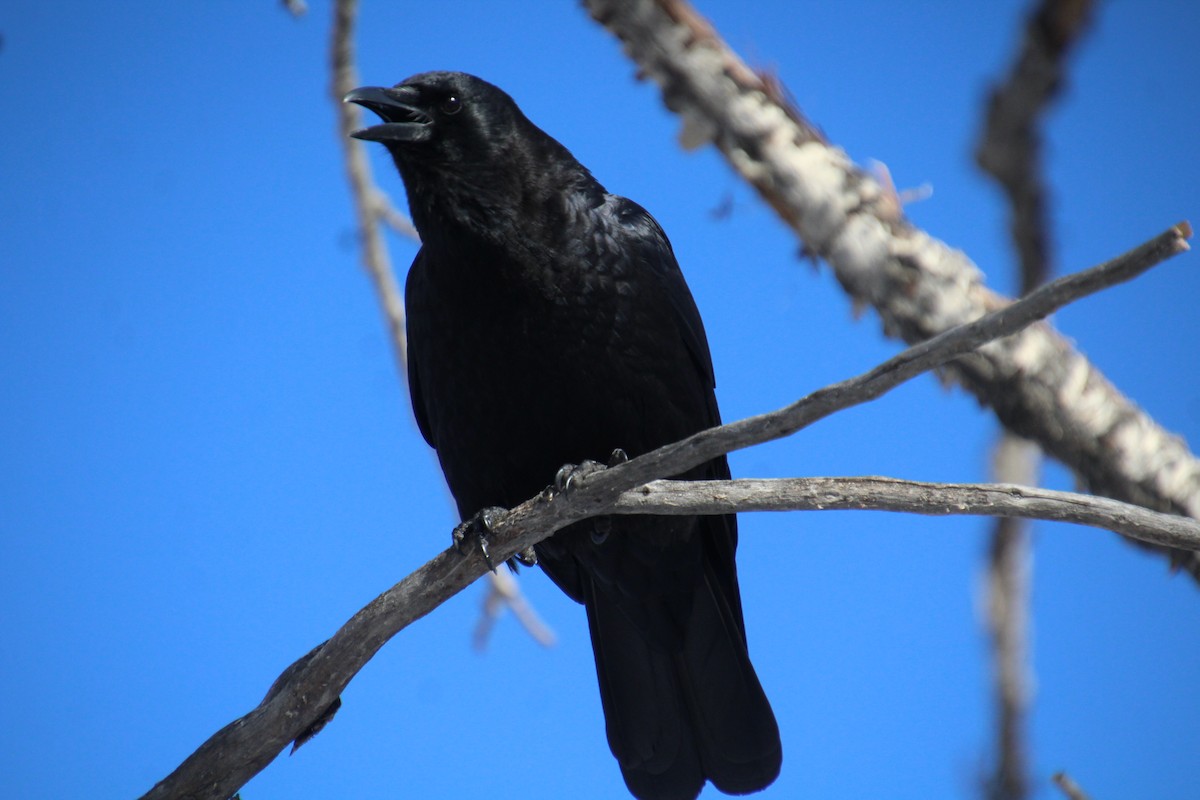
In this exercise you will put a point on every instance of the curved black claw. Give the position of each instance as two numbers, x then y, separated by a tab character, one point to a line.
478	527
568	474
527	557
564	479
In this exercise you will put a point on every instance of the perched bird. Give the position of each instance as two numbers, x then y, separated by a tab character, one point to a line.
549	323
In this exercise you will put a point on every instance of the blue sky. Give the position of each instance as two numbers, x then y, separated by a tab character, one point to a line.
209	463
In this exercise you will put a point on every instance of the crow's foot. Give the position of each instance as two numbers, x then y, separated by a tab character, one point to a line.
568	474
478	527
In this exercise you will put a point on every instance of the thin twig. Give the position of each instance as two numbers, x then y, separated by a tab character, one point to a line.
241	749
373	206
370	203
983	333
1038	385
1069	787
1006	614
683	498
503	592
391	216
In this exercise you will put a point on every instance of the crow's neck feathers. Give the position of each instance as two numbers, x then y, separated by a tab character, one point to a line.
526	191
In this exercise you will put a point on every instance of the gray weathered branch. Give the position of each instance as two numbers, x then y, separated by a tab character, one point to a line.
983	333
370	203
1038	385
913	497
309	687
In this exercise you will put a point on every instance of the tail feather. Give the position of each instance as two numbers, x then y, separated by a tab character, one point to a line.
649	730
678	717
735	730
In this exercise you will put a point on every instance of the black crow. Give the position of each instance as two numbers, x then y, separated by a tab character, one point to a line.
548	323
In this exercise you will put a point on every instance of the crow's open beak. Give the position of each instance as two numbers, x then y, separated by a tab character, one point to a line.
403	120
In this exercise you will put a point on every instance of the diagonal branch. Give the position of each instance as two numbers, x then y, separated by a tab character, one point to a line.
984	333
1069	787
241	749
1038	385
504	593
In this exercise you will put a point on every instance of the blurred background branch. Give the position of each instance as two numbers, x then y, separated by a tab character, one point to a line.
1070	789
373	207
1037	383
1010	151
370	203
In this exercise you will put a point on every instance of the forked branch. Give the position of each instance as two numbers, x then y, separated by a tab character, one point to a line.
310	686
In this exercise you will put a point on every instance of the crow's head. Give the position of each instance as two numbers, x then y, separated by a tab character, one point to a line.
467	153
449	118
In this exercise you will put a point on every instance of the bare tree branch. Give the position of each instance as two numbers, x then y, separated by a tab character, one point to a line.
678	498
297	8
504	593
1010	151
1038	385
1012	144
311	686
370	202
1006	611
242	748
398	222
1069	787
930	354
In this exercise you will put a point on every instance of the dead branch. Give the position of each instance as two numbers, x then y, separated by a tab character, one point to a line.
503	593
373	207
1038	385
1006	614
1011	148
310	687
370	203
1070	788
1008	500
983	333
297	8
1010	151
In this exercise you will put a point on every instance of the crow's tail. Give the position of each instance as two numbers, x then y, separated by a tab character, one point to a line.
690	711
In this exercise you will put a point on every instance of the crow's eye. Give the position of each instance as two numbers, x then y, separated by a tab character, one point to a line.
451	105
